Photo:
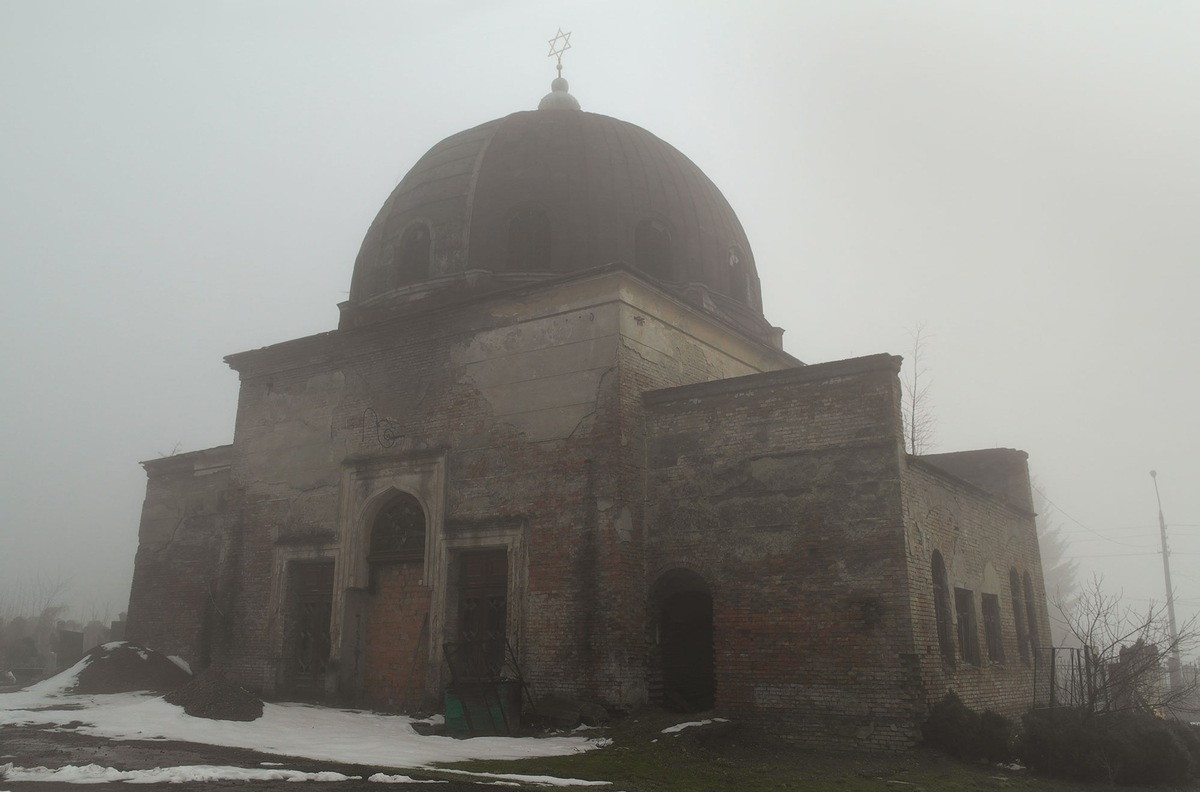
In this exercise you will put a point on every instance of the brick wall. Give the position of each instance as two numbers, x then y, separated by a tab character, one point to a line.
982	538
397	639
185	522
782	490
605	434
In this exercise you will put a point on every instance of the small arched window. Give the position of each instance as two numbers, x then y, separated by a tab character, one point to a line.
739	287
412	255
1014	583
1031	613
941	608
652	249
529	242
398	534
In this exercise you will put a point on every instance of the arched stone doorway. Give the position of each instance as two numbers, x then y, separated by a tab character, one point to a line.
683	669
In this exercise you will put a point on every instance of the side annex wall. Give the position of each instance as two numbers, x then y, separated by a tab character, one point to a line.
782	491
973	509
174	602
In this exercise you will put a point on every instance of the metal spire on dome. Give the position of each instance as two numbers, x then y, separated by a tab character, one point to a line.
559	98
558	45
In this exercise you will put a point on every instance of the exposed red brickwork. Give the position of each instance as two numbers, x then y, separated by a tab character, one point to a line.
397	639
783	491
611	446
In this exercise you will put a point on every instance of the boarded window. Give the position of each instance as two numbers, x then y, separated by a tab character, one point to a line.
652	250
412	255
1031	613
529	242
1014	584
991	628
941	608
968	629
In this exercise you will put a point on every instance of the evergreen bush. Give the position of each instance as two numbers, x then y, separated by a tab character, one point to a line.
955	729
1127	748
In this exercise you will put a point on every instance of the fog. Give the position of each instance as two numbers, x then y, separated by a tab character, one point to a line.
183	181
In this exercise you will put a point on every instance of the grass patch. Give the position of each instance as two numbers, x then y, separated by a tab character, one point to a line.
733	758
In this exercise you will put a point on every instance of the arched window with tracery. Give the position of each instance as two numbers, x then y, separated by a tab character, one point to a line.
398	534
941	608
529	241
652	249
412	255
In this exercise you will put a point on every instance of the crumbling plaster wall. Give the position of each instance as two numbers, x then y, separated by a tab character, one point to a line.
173	603
517	401
782	490
503	396
981	537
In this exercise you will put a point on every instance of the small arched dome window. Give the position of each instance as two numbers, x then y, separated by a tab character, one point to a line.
652	249
399	531
941	608
412	255
739	286
529	241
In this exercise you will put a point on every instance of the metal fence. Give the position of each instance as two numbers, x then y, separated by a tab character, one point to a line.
1066	677
1071	677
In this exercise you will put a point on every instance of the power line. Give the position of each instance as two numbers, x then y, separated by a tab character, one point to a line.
1101	536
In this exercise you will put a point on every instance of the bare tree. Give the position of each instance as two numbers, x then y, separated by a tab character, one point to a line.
1126	652
1058	570
31	597
917	409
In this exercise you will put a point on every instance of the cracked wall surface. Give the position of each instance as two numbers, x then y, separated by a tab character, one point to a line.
612	441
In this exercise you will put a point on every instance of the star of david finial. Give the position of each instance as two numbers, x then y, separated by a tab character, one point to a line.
558	45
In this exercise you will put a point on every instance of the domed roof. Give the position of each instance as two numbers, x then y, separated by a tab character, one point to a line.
548	192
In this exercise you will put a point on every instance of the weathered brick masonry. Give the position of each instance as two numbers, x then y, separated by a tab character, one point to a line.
784	490
515	438
985	538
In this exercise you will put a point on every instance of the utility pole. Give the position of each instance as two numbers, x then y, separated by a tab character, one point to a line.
1174	666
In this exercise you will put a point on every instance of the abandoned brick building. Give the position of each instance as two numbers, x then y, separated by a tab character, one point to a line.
553	416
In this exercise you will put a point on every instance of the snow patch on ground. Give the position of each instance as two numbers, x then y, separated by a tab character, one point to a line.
383	778
678	727
529	779
433	720
179	661
97	774
320	733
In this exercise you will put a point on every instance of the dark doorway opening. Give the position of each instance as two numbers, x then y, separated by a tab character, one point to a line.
311	608
685	642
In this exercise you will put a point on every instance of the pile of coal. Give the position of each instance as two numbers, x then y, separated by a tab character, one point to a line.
123	667
211	695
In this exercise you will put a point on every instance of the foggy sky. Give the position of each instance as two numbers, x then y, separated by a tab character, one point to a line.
181	181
